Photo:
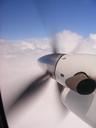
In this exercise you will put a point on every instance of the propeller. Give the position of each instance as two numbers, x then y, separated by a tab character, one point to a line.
35	86
32	88
54	43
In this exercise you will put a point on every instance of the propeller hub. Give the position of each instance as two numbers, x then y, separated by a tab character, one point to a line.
50	61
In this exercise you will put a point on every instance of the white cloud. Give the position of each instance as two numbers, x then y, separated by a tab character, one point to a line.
27	45
68	40
93	36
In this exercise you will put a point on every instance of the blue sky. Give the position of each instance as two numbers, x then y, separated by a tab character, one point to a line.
22	19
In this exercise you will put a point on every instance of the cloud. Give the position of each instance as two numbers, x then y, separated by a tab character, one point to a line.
93	36
67	42
23	48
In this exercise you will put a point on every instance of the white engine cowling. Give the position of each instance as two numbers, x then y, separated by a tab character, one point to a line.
77	72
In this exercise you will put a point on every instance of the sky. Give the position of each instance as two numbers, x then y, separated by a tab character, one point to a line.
25	19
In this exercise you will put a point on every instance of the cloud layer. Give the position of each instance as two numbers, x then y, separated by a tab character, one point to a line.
67	42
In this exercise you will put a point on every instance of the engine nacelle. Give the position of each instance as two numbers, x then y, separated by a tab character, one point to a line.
77	72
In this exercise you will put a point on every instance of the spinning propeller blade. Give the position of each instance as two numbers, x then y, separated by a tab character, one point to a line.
32	88
54	45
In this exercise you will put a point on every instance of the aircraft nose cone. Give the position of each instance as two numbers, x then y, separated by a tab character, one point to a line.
50	61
